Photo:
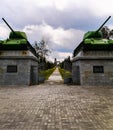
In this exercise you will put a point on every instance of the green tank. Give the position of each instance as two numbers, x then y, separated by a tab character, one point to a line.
17	41
14	42
96	40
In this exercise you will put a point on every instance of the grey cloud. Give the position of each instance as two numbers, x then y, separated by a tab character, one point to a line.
21	14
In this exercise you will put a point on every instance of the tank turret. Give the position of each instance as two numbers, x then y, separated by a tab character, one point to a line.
17	35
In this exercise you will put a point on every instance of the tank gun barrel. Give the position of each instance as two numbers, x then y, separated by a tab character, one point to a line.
103	24
8	25
28	43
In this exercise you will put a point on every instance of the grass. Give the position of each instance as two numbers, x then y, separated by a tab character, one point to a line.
64	73
46	73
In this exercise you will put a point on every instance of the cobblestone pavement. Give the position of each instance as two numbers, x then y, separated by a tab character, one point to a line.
54	106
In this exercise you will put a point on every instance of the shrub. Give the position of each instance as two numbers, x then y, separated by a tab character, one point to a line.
66	76
65	73
46	73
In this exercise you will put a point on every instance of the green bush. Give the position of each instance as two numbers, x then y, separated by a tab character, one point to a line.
64	73
46	73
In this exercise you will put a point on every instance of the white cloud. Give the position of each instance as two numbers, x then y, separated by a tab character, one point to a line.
97	7
4	32
60	41
102	7
56	37
59	55
111	26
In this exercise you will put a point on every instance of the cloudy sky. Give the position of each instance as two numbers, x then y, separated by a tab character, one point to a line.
62	23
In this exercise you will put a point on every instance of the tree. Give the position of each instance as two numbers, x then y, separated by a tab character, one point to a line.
41	48
66	64
42	51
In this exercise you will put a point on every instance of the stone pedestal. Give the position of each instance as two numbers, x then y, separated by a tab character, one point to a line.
93	68
18	68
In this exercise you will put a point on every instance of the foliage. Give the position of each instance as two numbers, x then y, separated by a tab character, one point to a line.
46	73
49	65
66	64
62	64
41	49
64	73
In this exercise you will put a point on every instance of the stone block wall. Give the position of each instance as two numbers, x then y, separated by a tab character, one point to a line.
87	75
23	74
83	68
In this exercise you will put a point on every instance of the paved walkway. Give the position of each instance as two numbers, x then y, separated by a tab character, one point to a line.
55	78
56	107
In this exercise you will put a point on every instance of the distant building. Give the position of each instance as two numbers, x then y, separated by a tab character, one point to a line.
55	62
18	63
